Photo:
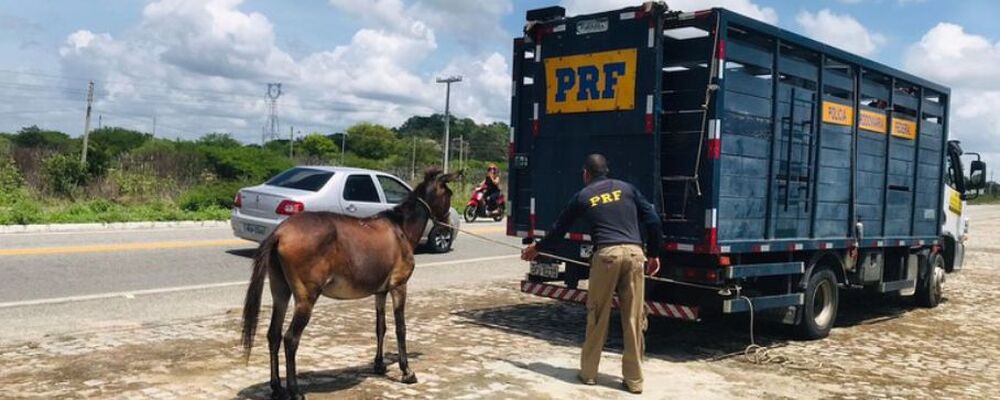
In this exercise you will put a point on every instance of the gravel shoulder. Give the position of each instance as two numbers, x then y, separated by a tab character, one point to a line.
488	340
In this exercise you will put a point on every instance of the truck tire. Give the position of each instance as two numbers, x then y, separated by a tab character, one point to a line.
929	289
819	308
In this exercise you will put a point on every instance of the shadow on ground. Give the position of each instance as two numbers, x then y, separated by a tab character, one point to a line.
328	381
673	340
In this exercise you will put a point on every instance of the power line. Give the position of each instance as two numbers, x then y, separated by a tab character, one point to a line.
171	98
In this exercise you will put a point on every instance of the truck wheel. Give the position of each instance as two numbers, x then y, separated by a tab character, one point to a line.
929	289
819	308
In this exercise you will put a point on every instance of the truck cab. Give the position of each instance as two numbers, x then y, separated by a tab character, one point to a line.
958	189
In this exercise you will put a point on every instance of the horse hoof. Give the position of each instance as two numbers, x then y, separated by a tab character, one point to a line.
297	396
409	378
379	369
278	393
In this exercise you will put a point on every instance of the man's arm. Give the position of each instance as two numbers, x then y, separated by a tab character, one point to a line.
563	223
650	221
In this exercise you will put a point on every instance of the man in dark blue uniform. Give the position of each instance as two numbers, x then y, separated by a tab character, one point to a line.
618	216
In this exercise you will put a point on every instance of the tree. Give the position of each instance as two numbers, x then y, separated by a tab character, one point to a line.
486	142
317	145
372	141
115	141
489	142
33	136
219	139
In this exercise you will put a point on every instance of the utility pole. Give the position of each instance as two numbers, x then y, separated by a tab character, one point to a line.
447	113
86	121
154	125
343	145
413	161
100	121
291	142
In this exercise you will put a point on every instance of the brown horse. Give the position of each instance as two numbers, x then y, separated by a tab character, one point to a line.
342	257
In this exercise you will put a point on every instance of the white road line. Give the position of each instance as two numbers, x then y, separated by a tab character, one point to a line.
115	231
467	261
133	293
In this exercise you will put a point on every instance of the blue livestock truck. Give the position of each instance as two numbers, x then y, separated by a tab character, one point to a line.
784	169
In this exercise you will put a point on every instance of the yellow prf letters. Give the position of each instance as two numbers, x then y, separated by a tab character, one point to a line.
605	198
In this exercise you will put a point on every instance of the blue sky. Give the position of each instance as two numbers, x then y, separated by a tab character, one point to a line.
203	65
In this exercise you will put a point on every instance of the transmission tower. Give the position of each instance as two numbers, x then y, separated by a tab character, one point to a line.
270	131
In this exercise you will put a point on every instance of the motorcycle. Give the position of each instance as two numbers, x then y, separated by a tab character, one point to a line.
477	207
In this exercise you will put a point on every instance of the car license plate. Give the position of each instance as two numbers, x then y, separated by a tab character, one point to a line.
253	229
545	270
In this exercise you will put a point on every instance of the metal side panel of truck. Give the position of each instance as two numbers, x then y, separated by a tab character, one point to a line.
771	158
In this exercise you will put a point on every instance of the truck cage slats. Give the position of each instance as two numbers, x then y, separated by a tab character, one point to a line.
744	103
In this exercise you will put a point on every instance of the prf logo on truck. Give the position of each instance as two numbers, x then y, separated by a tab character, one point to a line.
602	81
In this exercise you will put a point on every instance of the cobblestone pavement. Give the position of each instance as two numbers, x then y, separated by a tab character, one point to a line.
494	342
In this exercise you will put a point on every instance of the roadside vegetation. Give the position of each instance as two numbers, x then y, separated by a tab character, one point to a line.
134	176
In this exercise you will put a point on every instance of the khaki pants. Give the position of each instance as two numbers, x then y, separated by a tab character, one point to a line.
616	270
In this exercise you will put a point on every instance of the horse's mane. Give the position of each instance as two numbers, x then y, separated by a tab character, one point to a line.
398	213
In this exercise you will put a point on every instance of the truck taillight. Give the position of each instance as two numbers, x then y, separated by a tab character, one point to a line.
290	207
238	200
697	274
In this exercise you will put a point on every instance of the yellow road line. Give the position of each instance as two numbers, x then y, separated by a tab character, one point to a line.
183	244
107	248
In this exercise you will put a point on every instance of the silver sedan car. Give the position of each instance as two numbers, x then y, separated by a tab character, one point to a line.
350	191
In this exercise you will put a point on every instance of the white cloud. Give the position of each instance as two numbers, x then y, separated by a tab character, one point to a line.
470	23
947	53
840	30
745	7
484	93
899	2
968	64
201	66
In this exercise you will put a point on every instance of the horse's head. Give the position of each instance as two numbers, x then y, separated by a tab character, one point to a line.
435	192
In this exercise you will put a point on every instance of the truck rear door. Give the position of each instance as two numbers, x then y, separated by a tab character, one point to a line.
586	84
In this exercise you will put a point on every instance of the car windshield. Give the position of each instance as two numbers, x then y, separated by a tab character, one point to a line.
301	178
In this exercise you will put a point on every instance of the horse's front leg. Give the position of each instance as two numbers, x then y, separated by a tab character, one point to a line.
379	332
398	307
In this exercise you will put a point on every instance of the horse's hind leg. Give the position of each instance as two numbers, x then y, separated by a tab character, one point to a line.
398	308
300	318
279	295
379	332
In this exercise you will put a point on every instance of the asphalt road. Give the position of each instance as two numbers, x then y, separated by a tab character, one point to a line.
56	283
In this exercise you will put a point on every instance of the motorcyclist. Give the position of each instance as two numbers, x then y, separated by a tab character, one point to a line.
492	186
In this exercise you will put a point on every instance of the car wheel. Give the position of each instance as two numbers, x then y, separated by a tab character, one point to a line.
440	240
470	214
929	289
819	309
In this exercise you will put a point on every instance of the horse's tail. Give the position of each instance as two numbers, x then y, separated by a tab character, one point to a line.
263	261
